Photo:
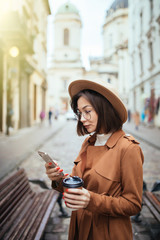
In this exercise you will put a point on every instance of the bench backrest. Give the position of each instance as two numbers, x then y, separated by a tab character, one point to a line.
13	191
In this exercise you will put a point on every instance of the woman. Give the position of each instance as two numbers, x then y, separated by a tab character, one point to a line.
109	162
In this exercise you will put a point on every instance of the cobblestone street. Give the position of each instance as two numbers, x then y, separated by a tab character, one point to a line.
64	147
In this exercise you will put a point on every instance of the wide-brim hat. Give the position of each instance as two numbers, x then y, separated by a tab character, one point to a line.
105	89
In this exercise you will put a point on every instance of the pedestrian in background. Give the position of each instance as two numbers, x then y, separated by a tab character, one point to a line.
42	116
50	116
56	114
109	162
137	120
143	115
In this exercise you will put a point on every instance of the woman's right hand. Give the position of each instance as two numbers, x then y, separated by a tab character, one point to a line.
54	174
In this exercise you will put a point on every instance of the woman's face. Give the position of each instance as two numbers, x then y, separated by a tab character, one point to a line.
87	114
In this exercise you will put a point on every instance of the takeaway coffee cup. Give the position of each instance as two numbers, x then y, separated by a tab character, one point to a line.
72	182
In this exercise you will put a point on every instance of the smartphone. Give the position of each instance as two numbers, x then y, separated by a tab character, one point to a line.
48	159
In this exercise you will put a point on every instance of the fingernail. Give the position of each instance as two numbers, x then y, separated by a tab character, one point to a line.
57	168
66	174
66	190
50	163
63	197
61	170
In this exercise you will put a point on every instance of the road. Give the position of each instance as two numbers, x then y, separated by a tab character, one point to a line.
64	147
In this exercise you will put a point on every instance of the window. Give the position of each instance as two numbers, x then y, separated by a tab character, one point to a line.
142	90
151	9
141	23
141	62
151	52
66	37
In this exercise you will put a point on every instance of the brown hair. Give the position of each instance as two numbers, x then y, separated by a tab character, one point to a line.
108	118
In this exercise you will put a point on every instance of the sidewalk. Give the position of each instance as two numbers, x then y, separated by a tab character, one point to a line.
16	148
150	135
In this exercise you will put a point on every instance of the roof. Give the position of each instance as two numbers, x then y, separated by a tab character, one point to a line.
67	8
117	4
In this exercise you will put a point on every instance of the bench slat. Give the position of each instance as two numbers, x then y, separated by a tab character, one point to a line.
46	216
9	211
24	219
30	231
20	211
24	213
8	179
152	197
18	190
151	207
37	225
13	183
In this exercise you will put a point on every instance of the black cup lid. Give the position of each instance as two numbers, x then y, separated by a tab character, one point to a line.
73	182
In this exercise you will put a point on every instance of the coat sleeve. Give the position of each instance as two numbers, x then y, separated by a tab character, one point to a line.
130	200
57	186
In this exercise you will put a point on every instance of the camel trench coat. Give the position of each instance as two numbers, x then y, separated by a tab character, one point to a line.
113	175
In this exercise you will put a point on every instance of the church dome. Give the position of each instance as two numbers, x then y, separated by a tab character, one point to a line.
67	8
117	4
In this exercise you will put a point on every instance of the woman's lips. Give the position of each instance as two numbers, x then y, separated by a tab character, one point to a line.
86	126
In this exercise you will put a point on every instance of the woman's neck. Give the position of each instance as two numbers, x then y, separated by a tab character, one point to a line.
101	139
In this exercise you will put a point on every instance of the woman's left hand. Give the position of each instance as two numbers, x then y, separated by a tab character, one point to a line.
76	198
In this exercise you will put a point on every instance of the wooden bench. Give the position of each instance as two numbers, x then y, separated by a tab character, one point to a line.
152	201
23	212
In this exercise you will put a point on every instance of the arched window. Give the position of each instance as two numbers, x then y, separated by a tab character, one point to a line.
66	36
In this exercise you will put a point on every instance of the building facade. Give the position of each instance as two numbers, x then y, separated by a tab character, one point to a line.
23	66
113	66
144	51
130	61
66	64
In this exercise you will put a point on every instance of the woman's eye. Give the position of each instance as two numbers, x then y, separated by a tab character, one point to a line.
87	111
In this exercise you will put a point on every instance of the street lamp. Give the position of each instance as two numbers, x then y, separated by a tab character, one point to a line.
12	74
14	51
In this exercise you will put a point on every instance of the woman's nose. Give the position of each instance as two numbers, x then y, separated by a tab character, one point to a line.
82	118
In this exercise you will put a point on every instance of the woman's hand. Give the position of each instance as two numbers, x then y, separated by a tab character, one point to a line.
54	174
76	198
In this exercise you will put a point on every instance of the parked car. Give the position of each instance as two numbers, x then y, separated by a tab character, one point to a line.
70	115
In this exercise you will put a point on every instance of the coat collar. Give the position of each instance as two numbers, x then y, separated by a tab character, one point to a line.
111	141
114	138
91	140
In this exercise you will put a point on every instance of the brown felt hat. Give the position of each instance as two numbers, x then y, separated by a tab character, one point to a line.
105	89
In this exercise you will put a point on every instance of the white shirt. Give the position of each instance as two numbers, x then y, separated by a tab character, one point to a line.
101	139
